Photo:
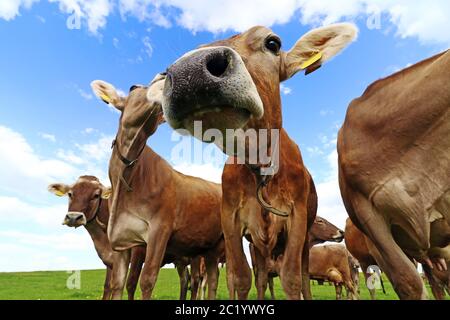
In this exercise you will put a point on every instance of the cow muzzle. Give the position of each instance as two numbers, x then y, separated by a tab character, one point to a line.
211	85
339	236
74	219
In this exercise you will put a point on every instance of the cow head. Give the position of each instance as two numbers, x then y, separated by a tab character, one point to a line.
323	230
235	83
84	199
140	116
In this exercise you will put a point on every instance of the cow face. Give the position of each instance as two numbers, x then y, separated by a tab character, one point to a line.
84	199
323	230
135	107
228	83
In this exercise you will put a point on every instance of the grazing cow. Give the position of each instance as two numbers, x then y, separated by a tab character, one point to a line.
331	263
151	203
88	208
322	230
235	84
355	241
394	160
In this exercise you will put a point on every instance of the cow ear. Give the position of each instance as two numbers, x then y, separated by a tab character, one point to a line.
106	192
108	94
316	47
58	189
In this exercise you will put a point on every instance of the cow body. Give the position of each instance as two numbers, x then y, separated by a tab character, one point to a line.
331	263
93	214
152	204
394	159
235	84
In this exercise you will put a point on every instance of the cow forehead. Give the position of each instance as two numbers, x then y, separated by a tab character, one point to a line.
248	38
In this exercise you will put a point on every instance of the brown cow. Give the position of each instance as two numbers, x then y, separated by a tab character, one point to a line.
235	83
394	160
151	203
356	243
331	263
88	208
321	231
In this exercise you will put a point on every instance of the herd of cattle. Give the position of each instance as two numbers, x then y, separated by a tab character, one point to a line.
394	164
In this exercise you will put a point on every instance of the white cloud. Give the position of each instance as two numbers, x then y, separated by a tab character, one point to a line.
99	150
116	43
9	9
330	202
205	171
148	49
425	20
285	90
59	250
47	136
22	169
84	94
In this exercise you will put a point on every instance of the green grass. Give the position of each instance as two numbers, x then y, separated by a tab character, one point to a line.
51	285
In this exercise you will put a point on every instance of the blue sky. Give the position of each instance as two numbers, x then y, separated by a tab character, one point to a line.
53	129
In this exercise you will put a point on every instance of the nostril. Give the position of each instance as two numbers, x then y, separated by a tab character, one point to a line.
217	64
78	217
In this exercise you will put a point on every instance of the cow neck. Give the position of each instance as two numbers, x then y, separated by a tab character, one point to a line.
270	120
128	148
95	221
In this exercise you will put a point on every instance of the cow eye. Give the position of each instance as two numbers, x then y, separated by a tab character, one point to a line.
273	44
69	194
133	87
96	196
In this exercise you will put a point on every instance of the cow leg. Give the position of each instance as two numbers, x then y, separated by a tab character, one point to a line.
436	289
239	274
291	268
137	260
183	274
156	248
195	277
119	273
261	274
212	276
272	292
107	285
398	267
338	288
203	287
306	283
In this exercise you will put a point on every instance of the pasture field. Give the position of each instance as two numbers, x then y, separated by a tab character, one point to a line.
51	285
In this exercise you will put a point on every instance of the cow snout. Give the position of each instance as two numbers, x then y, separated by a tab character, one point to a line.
211	85
74	219
339	236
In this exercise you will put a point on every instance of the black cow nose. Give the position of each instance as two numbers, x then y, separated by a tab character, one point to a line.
217	63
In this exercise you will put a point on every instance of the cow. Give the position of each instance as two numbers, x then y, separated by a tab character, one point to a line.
88	207
331	263
356	243
235	84
321	231
151	203
394	159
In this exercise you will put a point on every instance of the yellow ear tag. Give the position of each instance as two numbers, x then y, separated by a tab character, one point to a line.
311	60
59	193
105	98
